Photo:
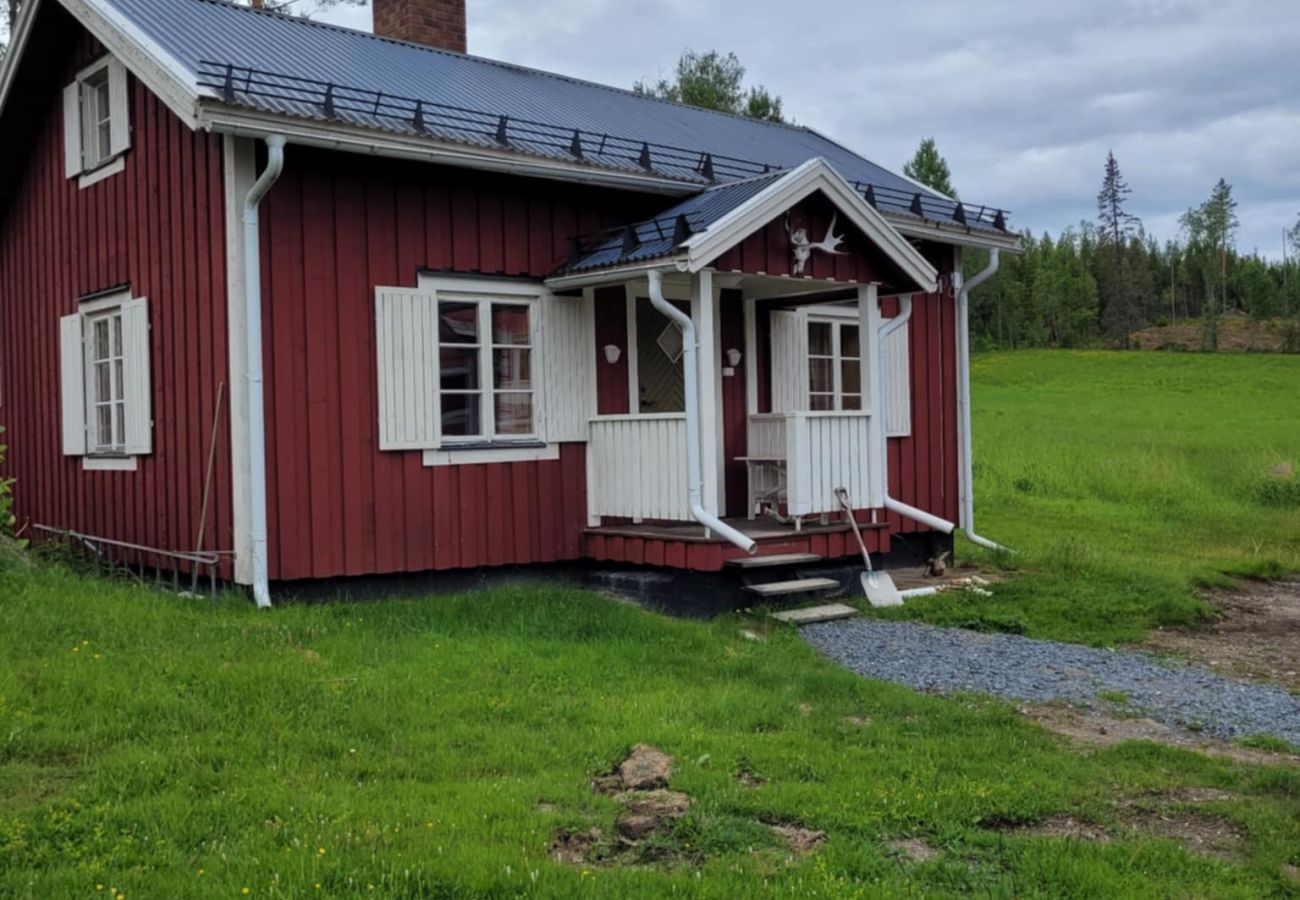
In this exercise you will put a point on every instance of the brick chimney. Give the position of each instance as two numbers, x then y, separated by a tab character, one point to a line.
435	23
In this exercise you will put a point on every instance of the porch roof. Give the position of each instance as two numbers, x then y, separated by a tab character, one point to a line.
693	233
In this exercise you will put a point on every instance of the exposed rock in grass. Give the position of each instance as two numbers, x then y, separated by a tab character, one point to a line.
1200	833
913	849
645	769
748	778
1180	796
856	721
1291	873
1065	827
648	811
800	840
1105	730
575	847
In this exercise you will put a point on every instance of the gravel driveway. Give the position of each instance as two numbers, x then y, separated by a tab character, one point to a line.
948	660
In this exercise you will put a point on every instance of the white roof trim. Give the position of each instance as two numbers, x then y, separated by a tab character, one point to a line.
141	55
814	175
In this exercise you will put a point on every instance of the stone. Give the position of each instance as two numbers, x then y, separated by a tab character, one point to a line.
645	769
800	840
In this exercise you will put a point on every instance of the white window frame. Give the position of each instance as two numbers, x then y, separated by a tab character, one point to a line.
116	455
837	358
86	157
487	390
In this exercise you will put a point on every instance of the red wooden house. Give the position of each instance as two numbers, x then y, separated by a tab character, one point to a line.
343	304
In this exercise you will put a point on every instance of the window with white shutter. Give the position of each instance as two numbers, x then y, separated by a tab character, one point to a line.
105	381
96	121
461	366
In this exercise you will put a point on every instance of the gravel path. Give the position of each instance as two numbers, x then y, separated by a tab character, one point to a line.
1017	668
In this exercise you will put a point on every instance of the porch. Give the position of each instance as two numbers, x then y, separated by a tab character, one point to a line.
687	545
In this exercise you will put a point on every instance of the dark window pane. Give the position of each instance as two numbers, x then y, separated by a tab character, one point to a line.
460	415
513	369
850	377
509	324
104	435
101	339
821	375
103	384
117	335
514	413
849	340
459	369
458	323
852	401
821	402
121	424
819	338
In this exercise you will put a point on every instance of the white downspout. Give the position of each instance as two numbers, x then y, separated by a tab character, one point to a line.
892	504
694	477
253	346
967	480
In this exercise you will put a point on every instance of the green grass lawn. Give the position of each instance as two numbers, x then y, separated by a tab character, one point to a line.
1123	480
158	747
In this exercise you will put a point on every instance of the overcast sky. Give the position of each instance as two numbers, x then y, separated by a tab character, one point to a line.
1023	96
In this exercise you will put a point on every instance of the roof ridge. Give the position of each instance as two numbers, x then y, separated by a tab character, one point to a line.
572	79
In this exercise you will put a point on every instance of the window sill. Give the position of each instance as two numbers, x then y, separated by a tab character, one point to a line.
109	463
469	454
105	170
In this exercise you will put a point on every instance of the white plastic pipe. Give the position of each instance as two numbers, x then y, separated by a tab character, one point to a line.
892	504
967	481
694	477
253	346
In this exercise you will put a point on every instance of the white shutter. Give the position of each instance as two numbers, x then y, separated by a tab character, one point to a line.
119	108
898	384
789	361
566	360
72	129
72	378
135	366
406	336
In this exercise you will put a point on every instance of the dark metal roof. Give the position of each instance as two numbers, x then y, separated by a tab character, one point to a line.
282	64
660	236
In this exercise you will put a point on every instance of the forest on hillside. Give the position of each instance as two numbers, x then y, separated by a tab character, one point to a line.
1100	282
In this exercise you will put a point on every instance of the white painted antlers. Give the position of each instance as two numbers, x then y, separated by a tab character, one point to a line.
802	247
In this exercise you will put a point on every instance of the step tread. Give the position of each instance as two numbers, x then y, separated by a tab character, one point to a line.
811	614
795	586
774	559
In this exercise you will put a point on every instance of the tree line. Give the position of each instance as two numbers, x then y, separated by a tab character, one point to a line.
1097	283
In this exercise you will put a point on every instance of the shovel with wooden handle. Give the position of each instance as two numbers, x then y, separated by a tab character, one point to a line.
878	587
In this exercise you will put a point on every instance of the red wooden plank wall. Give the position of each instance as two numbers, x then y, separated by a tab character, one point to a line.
611	329
767	250
336	226
735	415
157	227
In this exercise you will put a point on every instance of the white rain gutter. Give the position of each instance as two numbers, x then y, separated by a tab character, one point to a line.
893	505
967	480
253	347
694	477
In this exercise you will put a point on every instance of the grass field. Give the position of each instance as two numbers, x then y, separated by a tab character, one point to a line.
152	747
1124	479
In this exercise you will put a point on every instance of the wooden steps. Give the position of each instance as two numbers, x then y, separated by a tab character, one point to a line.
775	559
796	586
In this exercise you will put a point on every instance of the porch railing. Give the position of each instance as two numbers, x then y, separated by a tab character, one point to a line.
637	467
810	454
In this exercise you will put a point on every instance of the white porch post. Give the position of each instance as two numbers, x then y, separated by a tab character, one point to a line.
704	310
869	367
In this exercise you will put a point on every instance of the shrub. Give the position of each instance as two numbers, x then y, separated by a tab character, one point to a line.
1278	493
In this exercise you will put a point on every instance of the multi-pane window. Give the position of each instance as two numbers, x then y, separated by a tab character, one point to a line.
106	393
97	119
834	366
485	362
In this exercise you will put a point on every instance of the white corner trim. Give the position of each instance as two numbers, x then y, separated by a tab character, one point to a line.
109	463
501	454
107	170
238	173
